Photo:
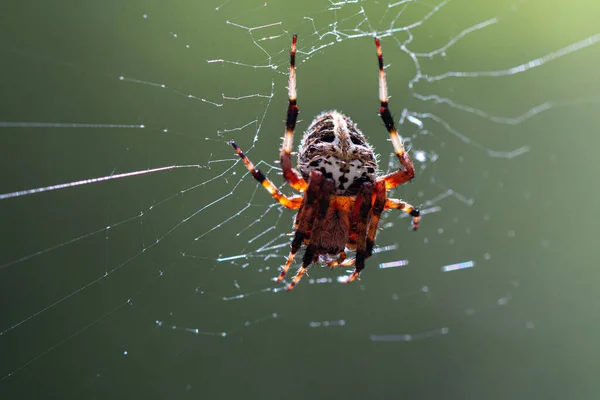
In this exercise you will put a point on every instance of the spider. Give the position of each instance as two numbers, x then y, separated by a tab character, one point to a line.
342	198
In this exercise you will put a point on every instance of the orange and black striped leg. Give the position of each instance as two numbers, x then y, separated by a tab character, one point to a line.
363	207
293	202
310	254
399	177
290	174
342	261
305	218
407	208
380	196
348	263
337	262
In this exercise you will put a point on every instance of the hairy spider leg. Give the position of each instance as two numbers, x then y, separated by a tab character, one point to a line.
407	208
379	197
339	261
328	188
348	263
292	177
362	210
408	172
305	218
293	202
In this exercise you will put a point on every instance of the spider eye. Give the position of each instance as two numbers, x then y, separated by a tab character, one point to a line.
326	137
356	140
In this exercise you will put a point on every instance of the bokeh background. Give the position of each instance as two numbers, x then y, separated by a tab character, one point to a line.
159	285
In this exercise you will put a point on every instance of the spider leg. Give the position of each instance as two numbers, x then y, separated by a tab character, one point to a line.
342	262
379	201
310	252
348	263
337	262
290	174
293	202
305	218
407	208
408	172
362	210
379	198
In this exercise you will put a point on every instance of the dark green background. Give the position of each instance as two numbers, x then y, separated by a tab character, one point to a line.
80	303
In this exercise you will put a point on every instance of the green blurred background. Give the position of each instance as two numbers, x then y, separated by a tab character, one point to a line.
123	288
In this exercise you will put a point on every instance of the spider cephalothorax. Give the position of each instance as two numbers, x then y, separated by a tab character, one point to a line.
342	197
335	146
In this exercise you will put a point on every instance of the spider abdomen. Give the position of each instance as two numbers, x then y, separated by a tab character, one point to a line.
334	235
335	146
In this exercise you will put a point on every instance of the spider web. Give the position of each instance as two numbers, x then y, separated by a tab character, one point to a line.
130	227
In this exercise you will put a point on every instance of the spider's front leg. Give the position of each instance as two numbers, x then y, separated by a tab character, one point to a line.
408	172
289	173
